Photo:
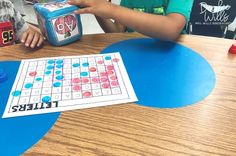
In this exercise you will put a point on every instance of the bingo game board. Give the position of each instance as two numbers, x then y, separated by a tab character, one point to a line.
64	83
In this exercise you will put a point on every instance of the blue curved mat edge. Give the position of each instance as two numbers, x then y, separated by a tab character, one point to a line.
18	134
122	46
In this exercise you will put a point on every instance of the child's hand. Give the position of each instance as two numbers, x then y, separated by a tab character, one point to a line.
32	37
101	8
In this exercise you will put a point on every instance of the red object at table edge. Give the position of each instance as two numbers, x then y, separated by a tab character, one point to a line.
232	49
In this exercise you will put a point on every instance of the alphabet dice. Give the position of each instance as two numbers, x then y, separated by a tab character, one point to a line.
58	23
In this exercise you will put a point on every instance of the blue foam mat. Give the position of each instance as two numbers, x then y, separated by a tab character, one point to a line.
165	74
19	133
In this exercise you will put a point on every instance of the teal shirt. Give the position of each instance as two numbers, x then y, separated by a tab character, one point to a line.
160	7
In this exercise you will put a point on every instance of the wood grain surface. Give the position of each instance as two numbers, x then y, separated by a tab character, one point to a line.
205	128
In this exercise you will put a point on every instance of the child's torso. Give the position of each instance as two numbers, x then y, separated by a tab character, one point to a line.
157	7
149	6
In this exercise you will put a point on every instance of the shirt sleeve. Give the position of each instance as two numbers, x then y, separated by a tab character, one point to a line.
182	7
124	3
8	10
19	23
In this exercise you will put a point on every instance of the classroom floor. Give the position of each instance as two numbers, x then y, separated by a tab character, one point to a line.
89	23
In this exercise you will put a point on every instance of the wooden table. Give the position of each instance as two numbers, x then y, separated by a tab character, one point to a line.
205	128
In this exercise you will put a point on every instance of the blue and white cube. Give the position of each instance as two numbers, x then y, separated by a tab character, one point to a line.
58	22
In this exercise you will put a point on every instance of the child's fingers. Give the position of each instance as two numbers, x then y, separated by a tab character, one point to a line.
83	11
35	40
85	6
74	2
41	39
81	3
24	36
29	39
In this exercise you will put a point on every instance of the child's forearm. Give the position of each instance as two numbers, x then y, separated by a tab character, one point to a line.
107	25
157	26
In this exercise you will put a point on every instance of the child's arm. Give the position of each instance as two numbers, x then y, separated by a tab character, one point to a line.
26	33
109	26
157	26
32	37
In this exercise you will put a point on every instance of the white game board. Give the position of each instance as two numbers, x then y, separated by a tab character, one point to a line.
65	83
